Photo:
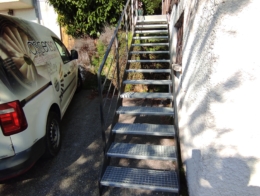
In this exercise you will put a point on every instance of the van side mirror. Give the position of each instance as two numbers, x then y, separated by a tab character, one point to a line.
74	54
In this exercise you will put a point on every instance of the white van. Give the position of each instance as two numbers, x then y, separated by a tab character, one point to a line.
38	78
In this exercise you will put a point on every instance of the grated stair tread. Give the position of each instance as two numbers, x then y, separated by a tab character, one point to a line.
147	82
142	22
151	26
149	61
142	151
151	44
149	52
155	19
150	37
151	31
138	110
148	70
147	95
148	179
144	129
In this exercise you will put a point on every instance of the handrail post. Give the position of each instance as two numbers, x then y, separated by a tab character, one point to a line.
169	40
126	30
132	15
136	8
117	65
114	66
101	110
174	105
99	75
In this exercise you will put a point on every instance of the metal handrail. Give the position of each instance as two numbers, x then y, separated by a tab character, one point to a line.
114	70
174	105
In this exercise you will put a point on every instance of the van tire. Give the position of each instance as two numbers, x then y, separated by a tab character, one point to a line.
53	135
79	83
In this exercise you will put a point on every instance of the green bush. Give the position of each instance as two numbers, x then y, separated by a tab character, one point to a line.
87	17
152	7
97	58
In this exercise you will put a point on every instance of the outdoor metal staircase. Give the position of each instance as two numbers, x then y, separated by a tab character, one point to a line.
152	34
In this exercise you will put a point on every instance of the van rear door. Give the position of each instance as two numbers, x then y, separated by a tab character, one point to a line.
6	146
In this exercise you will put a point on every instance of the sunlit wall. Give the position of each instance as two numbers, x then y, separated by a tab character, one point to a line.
217	95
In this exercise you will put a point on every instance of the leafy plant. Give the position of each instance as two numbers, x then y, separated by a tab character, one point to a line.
97	58
151	7
81	17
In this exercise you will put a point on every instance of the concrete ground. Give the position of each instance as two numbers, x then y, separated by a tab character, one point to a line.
75	171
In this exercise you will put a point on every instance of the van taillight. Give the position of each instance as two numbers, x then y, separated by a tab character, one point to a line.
12	118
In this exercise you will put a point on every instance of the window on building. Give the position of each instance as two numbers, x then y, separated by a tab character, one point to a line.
179	26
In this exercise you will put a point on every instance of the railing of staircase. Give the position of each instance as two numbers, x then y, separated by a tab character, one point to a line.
170	19
112	67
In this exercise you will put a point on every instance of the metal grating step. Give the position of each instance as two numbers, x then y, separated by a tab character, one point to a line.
149	61
134	95
141	179
142	151
151	44
144	129
153	21
150	52
151	26
150	37
151	31
149	82
138	110
143	22
148	71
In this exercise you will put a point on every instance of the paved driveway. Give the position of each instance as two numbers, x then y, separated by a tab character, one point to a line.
75	170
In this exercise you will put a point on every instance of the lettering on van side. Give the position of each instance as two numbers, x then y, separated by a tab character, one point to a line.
41	47
45	59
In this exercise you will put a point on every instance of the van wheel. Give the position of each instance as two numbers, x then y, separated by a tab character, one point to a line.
79	83
53	135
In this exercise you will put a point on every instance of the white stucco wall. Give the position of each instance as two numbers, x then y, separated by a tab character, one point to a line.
46	15
217	96
27	14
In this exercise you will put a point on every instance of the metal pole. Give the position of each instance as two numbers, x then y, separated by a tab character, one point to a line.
132	15
100	88
126	29
117	66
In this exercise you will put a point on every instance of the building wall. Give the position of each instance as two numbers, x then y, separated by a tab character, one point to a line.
27	14
217	96
44	14
48	17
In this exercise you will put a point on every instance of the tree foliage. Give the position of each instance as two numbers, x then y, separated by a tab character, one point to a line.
88	17
152	6
81	17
